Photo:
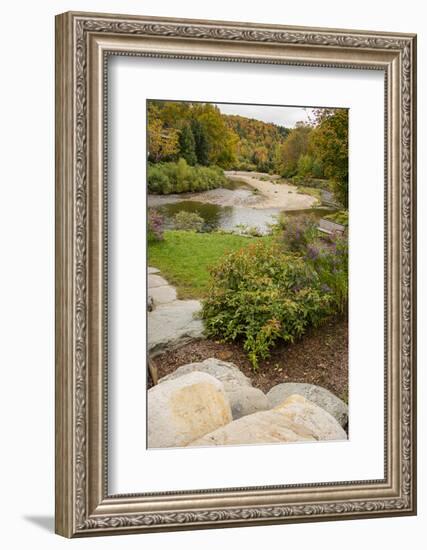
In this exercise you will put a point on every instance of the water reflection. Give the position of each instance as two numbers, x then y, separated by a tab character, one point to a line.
230	217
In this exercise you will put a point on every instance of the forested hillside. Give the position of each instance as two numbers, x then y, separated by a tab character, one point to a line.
183	135
259	143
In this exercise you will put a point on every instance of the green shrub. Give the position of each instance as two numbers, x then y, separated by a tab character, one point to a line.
188	221
245	166
261	295
179	177
248	230
158	179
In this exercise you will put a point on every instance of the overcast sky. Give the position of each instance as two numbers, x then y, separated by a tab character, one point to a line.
284	116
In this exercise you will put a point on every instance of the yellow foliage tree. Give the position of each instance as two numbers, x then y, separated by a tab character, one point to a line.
163	142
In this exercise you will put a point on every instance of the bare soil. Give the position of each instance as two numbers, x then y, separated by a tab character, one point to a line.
320	357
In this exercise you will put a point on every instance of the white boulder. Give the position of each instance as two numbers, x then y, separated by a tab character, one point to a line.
316	394
297	419
243	398
182	410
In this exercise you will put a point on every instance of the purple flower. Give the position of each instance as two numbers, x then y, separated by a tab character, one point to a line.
325	288
312	252
155	224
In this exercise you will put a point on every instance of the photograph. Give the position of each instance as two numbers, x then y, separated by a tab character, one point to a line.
247	274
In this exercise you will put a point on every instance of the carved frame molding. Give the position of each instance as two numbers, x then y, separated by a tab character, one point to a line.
83	43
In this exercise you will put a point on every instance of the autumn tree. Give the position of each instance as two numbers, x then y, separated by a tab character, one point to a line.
221	140
260	158
162	141
329	140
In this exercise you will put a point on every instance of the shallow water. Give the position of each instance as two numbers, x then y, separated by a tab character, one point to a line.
231	217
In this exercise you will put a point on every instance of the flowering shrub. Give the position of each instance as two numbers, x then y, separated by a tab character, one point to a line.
261	294
298	232
188	221
155	226
328	256
331	265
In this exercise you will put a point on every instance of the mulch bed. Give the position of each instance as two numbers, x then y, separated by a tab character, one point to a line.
320	357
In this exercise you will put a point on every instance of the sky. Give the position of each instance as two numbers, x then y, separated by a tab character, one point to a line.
283	116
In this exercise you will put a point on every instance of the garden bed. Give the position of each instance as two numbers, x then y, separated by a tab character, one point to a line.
320	357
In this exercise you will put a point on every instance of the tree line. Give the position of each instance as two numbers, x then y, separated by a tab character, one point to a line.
203	136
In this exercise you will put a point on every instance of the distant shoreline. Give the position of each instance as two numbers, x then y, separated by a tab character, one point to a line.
270	194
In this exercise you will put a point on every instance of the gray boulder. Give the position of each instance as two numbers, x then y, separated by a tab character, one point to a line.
182	410
227	373
173	325
316	394
156	280
163	294
246	400
297	419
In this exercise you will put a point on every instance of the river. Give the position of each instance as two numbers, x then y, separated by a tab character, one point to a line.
249	202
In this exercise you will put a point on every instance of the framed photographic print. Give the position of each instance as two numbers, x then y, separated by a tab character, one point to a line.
235	274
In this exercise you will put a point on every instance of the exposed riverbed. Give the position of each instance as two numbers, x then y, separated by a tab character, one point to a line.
253	200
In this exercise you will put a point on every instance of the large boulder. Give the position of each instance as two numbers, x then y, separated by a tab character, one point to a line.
243	398
316	394
227	373
297	419
173	325
182	410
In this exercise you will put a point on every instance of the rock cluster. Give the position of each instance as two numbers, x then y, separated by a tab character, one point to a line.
213	403
171	322
316	394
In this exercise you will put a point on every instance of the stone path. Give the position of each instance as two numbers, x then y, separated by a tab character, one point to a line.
172	322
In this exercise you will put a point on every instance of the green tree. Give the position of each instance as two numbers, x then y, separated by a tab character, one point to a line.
295	145
221	140
305	165
187	145
201	145
329	140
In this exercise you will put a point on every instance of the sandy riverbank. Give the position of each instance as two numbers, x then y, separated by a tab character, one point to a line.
272	194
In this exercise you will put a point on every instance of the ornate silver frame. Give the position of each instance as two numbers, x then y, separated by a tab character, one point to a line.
83	42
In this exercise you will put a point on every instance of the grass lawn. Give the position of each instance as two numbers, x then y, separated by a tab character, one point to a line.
184	257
